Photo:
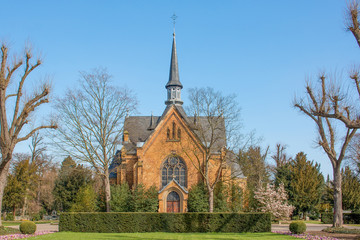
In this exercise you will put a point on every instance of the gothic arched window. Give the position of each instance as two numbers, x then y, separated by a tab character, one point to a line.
173	168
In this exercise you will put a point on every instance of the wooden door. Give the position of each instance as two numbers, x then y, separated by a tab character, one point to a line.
173	202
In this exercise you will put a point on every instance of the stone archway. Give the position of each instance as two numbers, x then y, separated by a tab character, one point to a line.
173	202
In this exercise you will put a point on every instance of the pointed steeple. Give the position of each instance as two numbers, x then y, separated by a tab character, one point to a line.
174	85
174	79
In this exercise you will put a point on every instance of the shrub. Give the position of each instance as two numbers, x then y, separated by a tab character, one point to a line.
27	227
351	218
165	222
120	198
9	217
297	227
327	218
85	200
145	200
198	200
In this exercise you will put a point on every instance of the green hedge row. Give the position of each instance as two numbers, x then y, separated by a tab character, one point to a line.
165	222
349	218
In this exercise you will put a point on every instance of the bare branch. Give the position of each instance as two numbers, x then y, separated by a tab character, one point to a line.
352	21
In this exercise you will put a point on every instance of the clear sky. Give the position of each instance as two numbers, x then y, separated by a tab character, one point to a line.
261	50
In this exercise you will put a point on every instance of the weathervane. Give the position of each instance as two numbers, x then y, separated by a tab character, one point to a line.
174	17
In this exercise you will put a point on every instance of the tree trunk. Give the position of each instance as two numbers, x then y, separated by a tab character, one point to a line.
3	180
211	200
338	214
107	191
25	204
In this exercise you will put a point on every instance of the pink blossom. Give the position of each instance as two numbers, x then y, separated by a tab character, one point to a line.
19	235
274	201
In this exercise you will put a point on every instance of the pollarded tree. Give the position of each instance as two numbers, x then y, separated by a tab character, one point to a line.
352	22
326	104
91	122
17	108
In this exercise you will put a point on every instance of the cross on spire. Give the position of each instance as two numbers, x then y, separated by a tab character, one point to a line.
174	17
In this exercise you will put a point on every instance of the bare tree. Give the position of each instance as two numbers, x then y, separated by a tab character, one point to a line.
217	125
354	153
16	114
352	19
280	157
91	122
324	104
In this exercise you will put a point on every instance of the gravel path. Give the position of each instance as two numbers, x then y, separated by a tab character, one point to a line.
309	227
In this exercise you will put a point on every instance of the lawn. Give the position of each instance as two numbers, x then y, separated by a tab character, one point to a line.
160	235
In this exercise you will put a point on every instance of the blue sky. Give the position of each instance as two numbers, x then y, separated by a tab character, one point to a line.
261	50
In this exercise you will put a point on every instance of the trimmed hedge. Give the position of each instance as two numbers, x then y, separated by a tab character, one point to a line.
165	222
349	218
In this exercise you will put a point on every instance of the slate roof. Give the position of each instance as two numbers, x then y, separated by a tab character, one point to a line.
141	127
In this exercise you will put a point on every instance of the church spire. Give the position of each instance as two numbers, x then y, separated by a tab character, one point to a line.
174	85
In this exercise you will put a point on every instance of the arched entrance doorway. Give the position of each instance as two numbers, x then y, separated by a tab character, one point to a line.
173	202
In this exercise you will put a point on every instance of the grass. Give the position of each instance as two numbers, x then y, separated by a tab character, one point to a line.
15	223
355	225
160	236
6	231
313	222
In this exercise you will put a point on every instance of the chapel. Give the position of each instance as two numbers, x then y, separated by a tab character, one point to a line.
163	151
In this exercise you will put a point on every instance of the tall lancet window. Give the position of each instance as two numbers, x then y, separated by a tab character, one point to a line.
173	168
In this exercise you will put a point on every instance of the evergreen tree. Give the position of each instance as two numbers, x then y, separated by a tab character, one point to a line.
350	190
145	200
22	179
120	198
85	200
236	198
221	198
283	175
306	186
198	199
71	178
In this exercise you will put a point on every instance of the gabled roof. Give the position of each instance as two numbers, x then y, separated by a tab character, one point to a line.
141	127
176	182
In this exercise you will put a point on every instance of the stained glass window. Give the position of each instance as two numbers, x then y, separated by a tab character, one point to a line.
173	168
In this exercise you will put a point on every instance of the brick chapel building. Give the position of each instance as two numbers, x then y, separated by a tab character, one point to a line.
161	150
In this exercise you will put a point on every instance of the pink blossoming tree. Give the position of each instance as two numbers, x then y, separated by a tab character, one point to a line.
274	200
